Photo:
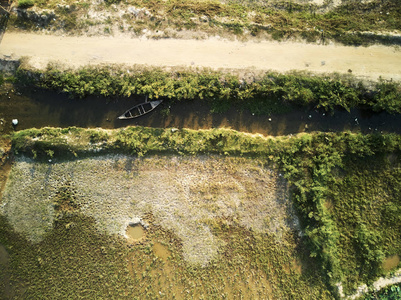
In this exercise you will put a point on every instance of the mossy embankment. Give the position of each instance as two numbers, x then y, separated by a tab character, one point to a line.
264	93
350	23
342	184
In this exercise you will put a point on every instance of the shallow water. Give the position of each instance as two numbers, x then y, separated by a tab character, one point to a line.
391	262
161	251
135	232
38	108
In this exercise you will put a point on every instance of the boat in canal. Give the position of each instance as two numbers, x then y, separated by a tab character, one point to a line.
140	109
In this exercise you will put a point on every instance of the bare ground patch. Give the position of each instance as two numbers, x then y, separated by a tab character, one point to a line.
184	194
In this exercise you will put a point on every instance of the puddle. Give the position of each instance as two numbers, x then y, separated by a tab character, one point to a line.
391	262
161	251
135	232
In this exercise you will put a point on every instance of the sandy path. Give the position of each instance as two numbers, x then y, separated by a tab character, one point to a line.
370	62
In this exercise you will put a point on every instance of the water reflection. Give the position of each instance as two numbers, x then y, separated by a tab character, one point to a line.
38	108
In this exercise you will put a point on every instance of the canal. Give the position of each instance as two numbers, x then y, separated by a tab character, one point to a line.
39	108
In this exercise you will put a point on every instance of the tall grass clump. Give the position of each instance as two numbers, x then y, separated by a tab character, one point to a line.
25	3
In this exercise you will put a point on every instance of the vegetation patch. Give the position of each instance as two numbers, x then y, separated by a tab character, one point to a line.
365	197
345	23
389	293
76	260
236	209
341	184
184	195
268	93
25	3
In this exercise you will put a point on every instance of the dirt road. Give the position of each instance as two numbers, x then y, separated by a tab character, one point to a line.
368	62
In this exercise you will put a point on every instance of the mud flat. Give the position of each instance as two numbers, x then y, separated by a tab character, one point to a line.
183	194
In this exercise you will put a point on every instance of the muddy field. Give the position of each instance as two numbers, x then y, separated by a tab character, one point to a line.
183	194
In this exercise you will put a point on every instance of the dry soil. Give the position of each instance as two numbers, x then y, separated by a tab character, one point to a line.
367	62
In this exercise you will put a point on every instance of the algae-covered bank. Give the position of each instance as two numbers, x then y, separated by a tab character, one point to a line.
181	214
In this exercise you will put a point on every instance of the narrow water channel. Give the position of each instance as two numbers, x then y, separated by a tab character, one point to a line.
39	108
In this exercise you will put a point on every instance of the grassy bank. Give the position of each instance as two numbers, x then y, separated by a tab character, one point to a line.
343	184
279	20
265	94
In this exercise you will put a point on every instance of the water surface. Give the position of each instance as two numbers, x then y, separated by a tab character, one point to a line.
39	108
135	232
391	262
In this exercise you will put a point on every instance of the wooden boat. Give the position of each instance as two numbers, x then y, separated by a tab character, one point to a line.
140	109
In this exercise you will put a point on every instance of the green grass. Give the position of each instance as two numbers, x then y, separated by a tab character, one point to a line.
25	3
389	293
365	197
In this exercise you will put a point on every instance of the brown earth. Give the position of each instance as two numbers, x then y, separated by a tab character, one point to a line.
366	62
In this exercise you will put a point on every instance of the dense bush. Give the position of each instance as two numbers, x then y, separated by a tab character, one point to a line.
390	293
25	3
270	93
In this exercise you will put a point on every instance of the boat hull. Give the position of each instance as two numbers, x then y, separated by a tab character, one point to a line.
140	110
